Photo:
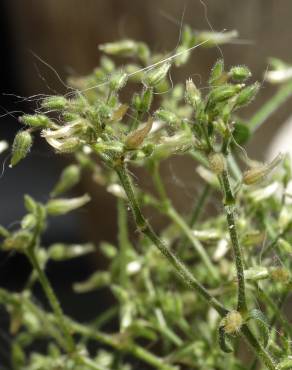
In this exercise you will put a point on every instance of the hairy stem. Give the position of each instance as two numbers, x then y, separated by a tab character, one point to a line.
170	211
52	298
230	216
146	229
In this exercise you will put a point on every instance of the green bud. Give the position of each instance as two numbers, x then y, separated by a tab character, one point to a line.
217	73
256	273
193	94
212	39
247	94
146	100
30	204
18	241
167	116
57	207
122	48
95	281
28	221
136	102
155	75
217	163
36	120
239	73
224	92
60	252
69	177
118	80
107	64
54	102
143	52
21	147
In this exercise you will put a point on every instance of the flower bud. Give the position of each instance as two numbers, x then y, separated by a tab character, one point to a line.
57	207
155	75
256	273
224	92
257	174
118	80
216	38
119	113
247	94
69	177
146	100
216	163
21	147
18	241
36	120
192	94
122	48
232	322
69	145
28	221
280	274
167	116
239	73
54	102
217	73
135	139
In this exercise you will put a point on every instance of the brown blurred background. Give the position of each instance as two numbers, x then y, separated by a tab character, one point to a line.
65	34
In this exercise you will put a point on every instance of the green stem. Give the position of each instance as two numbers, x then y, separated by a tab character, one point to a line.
199	206
258	348
53	300
284	93
170	211
123	240
230	216
146	229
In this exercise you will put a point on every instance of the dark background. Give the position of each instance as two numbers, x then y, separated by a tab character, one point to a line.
65	34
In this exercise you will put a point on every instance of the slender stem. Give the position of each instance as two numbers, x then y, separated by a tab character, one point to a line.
284	93
123	240
53	300
196	213
178	220
146	229
170	211
258	348
199	206
230	216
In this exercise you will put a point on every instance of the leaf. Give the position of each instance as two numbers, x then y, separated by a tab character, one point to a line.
262	322
224	345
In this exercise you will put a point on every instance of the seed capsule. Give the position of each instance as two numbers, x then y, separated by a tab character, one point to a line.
58	207
216	163
247	94
136	138
257	174
69	177
21	147
54	102
35	120
193	94
239	73
155	75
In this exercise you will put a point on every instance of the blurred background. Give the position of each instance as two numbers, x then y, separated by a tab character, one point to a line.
65	34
